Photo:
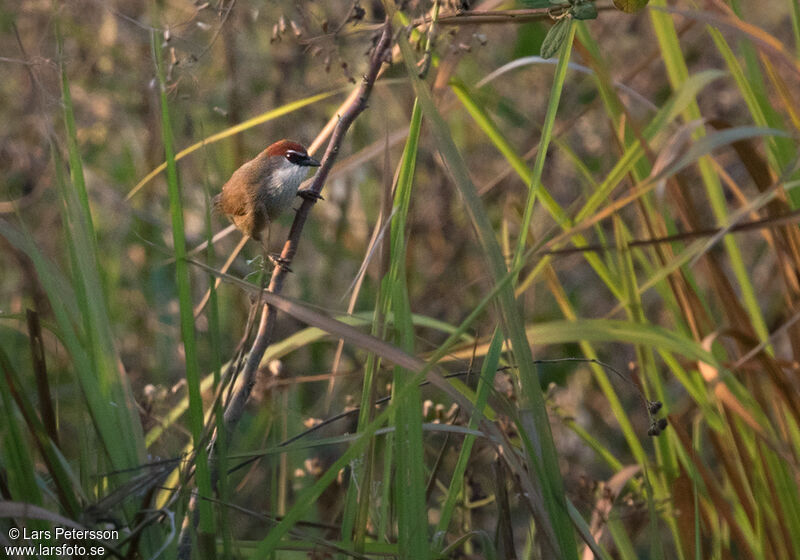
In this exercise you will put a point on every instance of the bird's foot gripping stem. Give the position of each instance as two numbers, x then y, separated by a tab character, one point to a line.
307	194
279	261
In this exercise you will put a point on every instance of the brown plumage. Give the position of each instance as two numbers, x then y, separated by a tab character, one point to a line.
264	187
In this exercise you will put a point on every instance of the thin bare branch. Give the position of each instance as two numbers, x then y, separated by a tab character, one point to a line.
235	407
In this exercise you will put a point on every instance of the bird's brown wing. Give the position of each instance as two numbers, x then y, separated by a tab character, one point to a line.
236	202
232	201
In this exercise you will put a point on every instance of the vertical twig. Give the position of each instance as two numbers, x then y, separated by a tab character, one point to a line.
235	407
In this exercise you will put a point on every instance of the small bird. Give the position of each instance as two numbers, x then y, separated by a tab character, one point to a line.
264	187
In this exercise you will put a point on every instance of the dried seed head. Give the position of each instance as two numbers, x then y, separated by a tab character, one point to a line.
295	28
654	406
358	13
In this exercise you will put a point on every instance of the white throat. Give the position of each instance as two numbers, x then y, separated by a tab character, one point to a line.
282	190
288	176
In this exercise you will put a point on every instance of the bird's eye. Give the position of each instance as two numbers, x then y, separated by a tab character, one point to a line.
293	157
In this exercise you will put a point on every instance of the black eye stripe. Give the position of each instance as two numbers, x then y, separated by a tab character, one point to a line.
294	156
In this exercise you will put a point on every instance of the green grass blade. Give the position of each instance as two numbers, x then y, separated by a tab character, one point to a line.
678	73
196	418
103	382
17	461
409	480
63	480
111	403
536	188
527	175
541	452
485	385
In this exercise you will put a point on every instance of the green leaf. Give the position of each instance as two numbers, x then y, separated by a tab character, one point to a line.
584	10
630	6
555	37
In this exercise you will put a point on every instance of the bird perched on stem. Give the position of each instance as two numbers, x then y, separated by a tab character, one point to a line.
263	188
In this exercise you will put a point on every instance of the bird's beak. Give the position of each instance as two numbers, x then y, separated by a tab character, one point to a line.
309	162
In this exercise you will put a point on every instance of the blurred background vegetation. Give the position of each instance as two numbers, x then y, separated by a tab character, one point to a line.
672	121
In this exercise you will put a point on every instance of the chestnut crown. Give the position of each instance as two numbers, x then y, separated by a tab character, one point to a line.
292	151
